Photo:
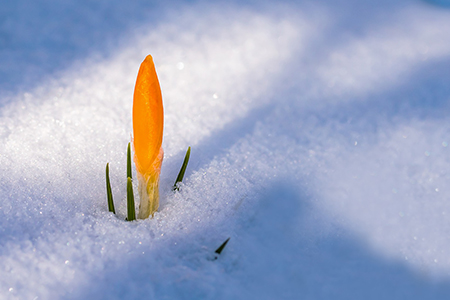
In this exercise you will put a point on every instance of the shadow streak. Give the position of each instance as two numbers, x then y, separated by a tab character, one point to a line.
40	39
283	250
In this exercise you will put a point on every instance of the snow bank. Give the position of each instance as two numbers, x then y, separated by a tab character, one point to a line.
319	145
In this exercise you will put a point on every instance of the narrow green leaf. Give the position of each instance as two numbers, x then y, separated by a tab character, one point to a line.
109	192
182	170
131	213
219	250
129	161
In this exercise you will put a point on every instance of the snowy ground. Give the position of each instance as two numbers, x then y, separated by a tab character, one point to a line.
319	145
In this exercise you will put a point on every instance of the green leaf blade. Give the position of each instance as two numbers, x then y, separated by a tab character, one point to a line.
109	192
129	161
221	247
182	170
131	212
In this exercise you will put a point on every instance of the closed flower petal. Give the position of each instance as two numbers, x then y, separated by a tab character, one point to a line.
148	123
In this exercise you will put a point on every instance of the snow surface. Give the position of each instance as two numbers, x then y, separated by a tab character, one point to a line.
319	145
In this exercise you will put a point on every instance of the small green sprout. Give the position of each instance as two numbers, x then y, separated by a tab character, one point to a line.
131	212
129	161
221	247
182	170
109	192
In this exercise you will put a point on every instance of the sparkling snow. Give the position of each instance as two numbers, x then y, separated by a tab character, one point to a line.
319	140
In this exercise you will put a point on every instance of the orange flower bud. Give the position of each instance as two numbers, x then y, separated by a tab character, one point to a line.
148	123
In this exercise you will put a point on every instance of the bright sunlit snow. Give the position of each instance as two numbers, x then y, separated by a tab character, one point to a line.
320	145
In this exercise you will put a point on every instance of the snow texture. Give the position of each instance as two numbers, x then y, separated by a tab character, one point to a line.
319	140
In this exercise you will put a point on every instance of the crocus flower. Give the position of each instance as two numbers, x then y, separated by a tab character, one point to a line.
148	123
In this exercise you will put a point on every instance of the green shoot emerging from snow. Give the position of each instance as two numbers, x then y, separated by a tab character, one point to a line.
221	247
182	170
131	212
129	161
109	192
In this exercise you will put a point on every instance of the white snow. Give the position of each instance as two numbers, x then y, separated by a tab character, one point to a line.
319	145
